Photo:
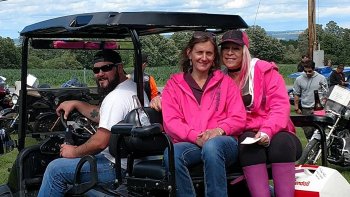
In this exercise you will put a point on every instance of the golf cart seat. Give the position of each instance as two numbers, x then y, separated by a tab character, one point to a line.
147	175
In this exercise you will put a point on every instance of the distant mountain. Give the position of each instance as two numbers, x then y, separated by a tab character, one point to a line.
285	35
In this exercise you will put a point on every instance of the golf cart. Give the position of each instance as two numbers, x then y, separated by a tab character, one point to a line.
95	31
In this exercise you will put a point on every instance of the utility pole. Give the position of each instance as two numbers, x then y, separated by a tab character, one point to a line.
311	27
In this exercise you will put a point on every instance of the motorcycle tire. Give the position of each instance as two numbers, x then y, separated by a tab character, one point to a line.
310	152
7	122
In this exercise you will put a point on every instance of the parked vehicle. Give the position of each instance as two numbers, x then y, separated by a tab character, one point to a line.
5	94
41	105
337	134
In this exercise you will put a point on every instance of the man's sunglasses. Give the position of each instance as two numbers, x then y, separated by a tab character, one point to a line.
104	68
308	71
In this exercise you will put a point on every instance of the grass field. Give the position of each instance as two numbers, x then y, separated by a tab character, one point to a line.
55	78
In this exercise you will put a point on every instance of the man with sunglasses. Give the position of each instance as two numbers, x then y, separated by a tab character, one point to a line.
304	87
117	91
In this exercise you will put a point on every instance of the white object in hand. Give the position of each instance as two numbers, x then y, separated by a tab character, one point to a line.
250	140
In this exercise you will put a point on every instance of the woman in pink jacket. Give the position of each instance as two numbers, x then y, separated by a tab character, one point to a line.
268	118
203	113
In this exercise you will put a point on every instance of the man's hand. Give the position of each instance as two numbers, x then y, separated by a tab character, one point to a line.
156	103
67	107
298	111
68	151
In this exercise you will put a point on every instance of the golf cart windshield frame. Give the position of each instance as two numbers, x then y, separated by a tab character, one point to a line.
117	25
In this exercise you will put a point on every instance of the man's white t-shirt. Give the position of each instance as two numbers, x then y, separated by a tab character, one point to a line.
115	106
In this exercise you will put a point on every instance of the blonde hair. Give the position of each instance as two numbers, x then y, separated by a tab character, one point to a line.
243	75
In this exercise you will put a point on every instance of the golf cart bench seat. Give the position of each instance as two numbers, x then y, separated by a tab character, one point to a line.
140	142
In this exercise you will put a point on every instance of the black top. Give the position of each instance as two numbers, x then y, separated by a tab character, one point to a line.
335	78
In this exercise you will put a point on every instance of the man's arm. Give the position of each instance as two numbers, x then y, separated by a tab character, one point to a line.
296	104
98	142
86	109
153	87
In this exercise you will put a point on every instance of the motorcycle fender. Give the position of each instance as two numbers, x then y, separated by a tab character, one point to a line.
5	190
6	111
45	115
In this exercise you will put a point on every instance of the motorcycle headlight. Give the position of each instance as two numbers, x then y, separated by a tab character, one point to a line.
347	115
14	99
57	101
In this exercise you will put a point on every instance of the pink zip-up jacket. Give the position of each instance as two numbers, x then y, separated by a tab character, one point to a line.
270	112
221	107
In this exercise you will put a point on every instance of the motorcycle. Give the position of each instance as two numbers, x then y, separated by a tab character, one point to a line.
337	135
5	95
41	106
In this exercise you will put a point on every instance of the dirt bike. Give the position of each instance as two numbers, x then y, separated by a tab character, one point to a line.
336	135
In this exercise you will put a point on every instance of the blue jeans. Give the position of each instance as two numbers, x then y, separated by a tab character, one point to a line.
60	172
216	154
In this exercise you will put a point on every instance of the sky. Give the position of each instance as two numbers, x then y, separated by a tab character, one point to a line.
272	15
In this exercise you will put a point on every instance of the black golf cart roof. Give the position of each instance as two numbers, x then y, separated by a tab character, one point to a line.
117	25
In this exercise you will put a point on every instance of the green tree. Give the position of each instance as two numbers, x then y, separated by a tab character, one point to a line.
66	61
263	46
344	56
332	42
303	40
10	55
181	39
291	55
161	50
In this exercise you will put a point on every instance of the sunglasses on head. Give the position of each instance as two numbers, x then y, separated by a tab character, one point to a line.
203	34
104	68
308	71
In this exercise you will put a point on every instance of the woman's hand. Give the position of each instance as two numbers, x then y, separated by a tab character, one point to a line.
264	141
210	133
156	103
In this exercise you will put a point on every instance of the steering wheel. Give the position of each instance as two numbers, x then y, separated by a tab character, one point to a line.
78	129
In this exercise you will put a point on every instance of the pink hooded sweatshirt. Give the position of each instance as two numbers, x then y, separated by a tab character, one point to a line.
221	106
270	112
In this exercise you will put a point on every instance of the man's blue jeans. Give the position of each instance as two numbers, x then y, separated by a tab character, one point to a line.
216	154
59	174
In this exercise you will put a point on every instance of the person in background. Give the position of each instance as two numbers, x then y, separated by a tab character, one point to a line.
149	84
203	114
117	91
303	89
300	67
268	119
329	63
337	77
